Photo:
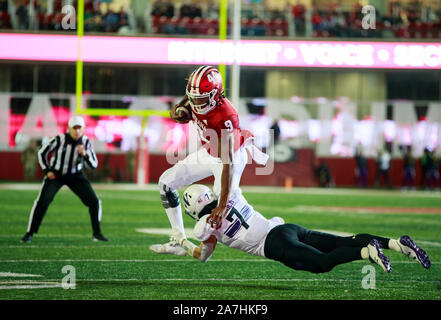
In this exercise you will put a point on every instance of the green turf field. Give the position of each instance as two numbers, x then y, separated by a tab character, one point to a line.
124	268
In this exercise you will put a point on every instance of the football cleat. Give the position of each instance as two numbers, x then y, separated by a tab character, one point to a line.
171	247
377	256
27	238
99	237
410	249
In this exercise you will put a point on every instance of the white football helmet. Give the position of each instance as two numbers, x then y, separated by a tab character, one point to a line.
198	201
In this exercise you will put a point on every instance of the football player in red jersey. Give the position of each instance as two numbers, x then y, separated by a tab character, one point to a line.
223	153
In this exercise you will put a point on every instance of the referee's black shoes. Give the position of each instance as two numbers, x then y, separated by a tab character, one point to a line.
99	237
27	237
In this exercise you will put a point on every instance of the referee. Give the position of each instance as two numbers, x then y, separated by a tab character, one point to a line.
69	151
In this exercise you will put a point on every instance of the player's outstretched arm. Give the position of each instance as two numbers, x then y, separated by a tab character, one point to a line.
204	252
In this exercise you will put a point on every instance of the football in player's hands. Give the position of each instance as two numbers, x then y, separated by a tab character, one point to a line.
181	113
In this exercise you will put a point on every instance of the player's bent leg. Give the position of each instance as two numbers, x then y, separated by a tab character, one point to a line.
171	203
327	242
283	244
194	167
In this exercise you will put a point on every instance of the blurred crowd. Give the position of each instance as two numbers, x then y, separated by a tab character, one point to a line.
413	19
99	16
409	19
429	167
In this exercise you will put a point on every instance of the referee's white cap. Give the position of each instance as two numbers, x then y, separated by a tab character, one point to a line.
76	121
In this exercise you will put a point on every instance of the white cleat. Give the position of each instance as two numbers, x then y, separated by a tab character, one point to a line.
172	247
377	256
410	249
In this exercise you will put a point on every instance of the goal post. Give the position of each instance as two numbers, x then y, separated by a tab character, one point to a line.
142	154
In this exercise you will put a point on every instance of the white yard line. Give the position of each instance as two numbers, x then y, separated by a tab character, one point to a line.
18	275
250	189
27	246
228	280
180	260
30	284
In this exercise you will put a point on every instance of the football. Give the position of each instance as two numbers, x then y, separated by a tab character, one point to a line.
183	113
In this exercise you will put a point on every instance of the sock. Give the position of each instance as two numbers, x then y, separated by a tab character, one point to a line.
175	217
364	253
395	245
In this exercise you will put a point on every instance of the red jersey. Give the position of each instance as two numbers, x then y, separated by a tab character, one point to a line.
221	120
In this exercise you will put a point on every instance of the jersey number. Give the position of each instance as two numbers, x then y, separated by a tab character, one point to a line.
233	212
229	125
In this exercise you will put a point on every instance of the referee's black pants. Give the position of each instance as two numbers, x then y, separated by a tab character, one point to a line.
80	185
302	249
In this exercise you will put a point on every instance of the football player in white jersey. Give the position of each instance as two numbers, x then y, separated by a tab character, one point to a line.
295	246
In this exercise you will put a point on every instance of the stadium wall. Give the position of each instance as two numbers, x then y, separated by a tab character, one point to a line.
299	173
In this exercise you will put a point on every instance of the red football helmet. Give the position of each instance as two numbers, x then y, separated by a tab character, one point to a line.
204	89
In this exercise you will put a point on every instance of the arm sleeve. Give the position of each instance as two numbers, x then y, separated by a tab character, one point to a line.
43	153
90	157
202	230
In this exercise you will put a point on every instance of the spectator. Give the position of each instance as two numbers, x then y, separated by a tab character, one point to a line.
323	173
408	168
111	21
22	15
190	11
361	171
383	166
29	159
432	175
424	167
3	5
90	21
5	20
163	8
299	20
317	21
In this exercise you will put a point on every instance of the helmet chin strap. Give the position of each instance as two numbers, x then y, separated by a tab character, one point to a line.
207	209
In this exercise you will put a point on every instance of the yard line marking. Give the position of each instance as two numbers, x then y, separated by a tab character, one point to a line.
30	284
103	245
18	275
251	189
244	280
168	260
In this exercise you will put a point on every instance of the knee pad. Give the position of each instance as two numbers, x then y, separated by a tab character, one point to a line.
169	197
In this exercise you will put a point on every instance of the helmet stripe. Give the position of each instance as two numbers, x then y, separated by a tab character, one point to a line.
200	75
196	75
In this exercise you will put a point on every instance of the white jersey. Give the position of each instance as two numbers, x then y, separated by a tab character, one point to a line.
242	228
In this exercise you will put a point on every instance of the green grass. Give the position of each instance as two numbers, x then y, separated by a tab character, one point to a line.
125	268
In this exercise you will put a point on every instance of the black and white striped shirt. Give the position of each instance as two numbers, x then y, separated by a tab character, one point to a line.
65	157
